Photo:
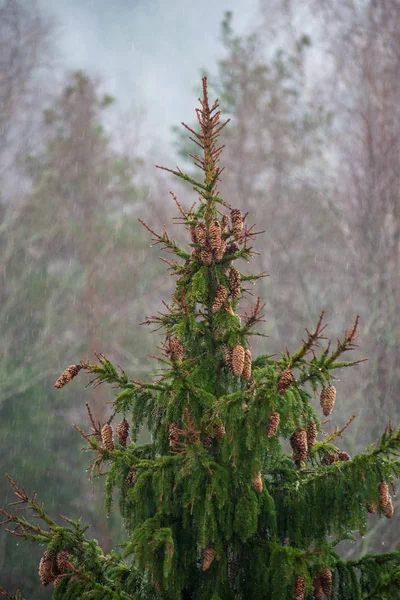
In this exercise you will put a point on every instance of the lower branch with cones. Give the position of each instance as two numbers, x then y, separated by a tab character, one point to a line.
215	507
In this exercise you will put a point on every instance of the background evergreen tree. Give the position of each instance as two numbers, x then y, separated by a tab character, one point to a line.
217	506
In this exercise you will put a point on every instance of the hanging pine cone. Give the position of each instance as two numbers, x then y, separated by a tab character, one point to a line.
63	564
285	380
258	483
383	495
220	253
175	349
371	508
238	360
214	235
224	222
327	399
234	283
389	512
201	233
343	456
221	294
206	255
299	588
208	557
298	441
311	434
69	373
237	222
107	437
47	568
122	431
329	459
207	441
193	234
228	358
317	587
219	432
173	435
273	424
130	479
326	581
232	248
246	374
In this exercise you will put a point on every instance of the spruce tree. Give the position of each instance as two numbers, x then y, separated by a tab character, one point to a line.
235	497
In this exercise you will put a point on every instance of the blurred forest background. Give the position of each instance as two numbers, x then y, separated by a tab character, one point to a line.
312	153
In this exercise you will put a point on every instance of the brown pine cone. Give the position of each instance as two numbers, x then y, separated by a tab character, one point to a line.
329	459
228	359
208	557
246	374
107	437
238	360
285	380
220	253
317	587
206	255
273	424
214	235
327	399
258	483
201	233
311	434
219	432
207	441
130	478
298	441
63	563
173	435
193	234
299	588
122	431
234	283
326	581
371	508
221	294
383	495
224	222
389	512
175	349
343	456
237	222
47	568
69	373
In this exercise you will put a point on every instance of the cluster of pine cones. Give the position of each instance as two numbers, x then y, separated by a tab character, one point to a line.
53	566
322	584
239	361
212	244
107	434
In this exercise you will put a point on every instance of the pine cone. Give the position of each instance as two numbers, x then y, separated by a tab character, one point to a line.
311	434
371	508
383	495
201	233
122	431
47	568
207	441
329	459
175	349
220	253
208	557
228	359
285	380
107	437
234	283
326	581
173	435
389	512
219	432
232	248
299	588
214	235
206	255
273	424
238	360
224	222
298	441
69	373
341	456
246	374
193	234
258	483
327	399
130	479
317	586
63	564
221	294
237	222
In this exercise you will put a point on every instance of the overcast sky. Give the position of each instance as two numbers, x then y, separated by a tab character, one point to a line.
148	52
